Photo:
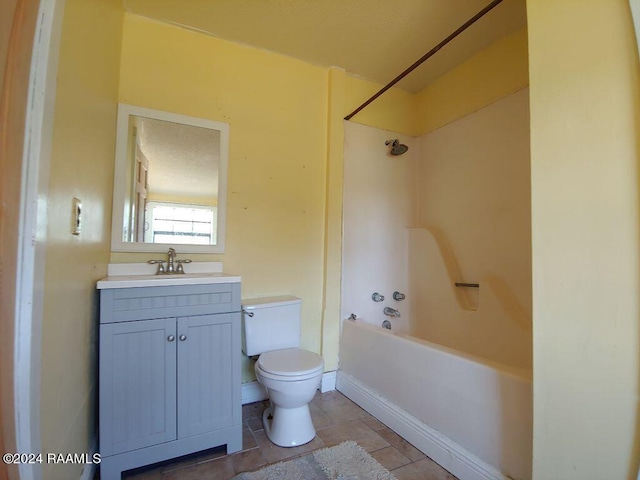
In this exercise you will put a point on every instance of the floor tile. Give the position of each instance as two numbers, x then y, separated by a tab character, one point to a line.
178	464
209	455
355	430
319	417
248	440
336	419
425	469
373	423
254	410
342	410
273	453
248	460
254	424
219	469
390	458
144	474
408	450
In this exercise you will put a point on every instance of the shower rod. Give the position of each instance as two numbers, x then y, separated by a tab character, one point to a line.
426	56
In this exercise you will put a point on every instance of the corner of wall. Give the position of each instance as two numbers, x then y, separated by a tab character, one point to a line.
395	110
336	94
495	72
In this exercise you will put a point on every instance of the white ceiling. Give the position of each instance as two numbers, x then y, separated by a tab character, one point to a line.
373	39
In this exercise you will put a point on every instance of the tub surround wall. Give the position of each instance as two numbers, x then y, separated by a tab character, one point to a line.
499	330
474	199
379	205
467	184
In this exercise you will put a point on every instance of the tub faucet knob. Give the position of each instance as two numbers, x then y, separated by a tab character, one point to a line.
376	297
399	296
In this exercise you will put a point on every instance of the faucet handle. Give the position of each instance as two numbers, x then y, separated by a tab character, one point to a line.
180	268
160	264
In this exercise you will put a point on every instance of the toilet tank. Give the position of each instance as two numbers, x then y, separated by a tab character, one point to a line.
275	324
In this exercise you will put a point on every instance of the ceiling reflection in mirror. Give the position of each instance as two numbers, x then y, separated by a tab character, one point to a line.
172	179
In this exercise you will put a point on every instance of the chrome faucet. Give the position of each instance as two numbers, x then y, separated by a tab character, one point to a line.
172	255
171	260
392	312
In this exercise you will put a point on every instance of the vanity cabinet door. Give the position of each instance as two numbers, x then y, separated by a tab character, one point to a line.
137	384
208	373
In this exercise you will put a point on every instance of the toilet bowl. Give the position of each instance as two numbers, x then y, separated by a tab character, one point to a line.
290	375
291	378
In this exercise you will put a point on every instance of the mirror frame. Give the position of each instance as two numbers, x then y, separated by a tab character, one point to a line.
119	177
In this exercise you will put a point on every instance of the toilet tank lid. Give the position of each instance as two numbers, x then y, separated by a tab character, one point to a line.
249	303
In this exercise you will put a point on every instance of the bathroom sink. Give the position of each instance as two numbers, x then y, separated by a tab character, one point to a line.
131	275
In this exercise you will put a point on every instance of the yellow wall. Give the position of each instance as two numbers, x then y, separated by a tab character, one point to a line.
495	72
394	110
585	113
284	220
277	110
81	166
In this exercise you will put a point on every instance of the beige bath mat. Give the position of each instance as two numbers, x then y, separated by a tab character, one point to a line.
347	461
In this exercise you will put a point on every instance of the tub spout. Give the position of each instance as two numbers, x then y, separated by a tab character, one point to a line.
392	312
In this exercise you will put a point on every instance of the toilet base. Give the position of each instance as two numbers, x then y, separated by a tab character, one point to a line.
288	427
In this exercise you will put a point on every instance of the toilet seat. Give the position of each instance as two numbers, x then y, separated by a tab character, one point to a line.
290	364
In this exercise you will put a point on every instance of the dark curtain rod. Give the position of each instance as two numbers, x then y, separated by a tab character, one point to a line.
426	56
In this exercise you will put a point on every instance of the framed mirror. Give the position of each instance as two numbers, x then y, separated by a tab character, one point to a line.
170	182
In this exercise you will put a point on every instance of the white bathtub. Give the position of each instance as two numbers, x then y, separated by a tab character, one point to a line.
472	416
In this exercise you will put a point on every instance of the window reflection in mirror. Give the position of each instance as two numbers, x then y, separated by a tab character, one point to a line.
170	182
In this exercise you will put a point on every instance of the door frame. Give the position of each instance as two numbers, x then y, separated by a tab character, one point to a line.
32	232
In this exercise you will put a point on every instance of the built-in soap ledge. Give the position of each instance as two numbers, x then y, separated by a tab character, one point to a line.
128	275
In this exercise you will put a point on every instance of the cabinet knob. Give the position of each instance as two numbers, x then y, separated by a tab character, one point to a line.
171	338
183	338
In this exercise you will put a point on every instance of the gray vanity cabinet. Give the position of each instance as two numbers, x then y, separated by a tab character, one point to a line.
169	373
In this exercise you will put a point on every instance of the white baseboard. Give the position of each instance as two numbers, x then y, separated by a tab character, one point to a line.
254	392
328	382
89	470
441	449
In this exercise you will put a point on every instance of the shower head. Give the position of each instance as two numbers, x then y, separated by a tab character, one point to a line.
397	148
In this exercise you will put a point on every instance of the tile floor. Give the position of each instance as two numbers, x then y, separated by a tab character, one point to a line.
336	419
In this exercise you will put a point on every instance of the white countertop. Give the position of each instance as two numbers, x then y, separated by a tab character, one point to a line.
131	275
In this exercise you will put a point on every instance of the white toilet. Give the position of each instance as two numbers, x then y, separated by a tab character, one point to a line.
291	375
